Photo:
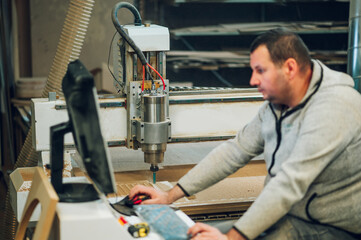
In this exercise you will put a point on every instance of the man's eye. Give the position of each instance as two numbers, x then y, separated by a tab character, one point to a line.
260	71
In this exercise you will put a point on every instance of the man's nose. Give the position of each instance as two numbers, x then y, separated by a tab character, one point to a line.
254	81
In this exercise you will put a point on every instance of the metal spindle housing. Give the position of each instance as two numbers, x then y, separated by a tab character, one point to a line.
154	129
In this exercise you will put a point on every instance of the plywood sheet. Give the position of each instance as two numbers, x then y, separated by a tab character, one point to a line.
233	194
229	195
174	173
123	189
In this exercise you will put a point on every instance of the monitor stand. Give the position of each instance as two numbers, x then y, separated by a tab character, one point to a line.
67	192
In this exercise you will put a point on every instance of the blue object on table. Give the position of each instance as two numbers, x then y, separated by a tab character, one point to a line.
163	220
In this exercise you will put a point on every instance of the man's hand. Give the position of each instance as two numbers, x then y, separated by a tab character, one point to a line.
157	196
201	231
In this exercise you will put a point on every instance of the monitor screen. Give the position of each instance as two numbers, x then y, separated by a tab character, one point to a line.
83	110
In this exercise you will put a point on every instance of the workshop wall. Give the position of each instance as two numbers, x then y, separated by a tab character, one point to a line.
230	26
47	19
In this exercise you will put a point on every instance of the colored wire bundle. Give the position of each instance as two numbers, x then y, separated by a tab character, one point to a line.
148	65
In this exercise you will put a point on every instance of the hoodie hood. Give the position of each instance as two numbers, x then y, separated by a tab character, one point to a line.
318	83
317	80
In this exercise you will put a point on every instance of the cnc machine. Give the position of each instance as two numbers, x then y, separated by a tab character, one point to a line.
139	63
171	126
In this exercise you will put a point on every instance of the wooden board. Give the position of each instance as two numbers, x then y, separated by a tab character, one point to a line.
230	195
233	194
41	192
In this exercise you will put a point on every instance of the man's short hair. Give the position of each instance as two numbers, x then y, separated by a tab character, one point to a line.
283	44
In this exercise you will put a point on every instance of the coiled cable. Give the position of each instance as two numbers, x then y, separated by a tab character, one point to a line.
125	36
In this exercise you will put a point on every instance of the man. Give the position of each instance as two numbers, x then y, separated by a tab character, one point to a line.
309	129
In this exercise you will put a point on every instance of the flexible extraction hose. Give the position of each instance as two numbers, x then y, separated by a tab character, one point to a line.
121	31
125	36
68	49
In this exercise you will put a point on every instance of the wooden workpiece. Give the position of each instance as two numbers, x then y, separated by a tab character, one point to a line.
222	197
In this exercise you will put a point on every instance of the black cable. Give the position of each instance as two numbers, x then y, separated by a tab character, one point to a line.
120	29
150	74
7	77
2	108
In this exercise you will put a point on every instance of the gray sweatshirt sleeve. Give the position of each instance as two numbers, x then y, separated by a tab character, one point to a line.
226	159
324	134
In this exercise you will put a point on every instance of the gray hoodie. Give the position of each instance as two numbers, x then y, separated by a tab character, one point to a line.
312	153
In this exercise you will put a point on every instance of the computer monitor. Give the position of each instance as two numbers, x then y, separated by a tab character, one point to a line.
83	107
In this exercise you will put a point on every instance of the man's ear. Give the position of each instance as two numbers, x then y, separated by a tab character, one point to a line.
290	68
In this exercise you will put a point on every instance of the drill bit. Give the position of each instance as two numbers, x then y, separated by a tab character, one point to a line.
154	168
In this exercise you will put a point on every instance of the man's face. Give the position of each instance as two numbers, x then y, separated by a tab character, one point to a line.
268	77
